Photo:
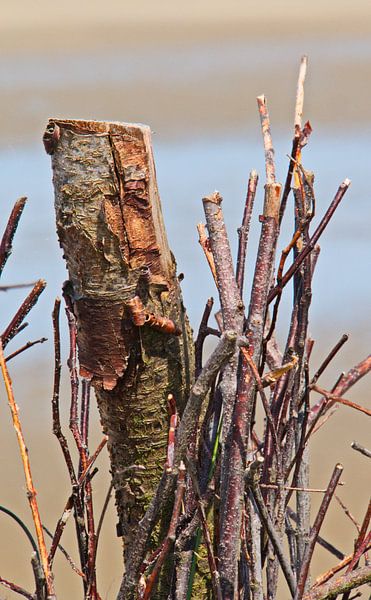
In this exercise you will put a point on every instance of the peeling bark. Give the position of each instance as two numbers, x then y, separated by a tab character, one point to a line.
110	227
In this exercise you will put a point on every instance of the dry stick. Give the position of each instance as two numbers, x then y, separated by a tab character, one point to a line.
233	316
103	514
243	231
10	229
344	338
57	429
13	327
344	383
70	502
348	513
202	334
320	540
344	584
270	169
170	537
297	133
334	398
205	245
25	347
362	539
264	399
315	530
312	242
16	286
232	490
16	588
31	492
361	449
65	554
252	479
285	252
331	572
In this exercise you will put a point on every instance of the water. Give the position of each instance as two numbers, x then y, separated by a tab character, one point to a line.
186	172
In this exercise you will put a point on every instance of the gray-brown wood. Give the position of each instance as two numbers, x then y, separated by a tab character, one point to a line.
110	227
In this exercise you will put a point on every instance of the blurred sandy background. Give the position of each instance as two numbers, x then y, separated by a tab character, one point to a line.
191	71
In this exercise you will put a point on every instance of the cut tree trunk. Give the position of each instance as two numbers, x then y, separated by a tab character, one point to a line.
134	341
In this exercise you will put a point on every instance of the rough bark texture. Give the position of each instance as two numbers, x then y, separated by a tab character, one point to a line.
110	227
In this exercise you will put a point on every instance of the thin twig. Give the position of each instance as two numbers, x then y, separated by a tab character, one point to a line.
31	492
252	480
348	513
334	398
315	530
243	231
363	539
16	286
361	449
312	242
22	311
16	588
103	514
203	332
65	554
320	540
344	584
344	338
346	560
25	347
11	227
23	526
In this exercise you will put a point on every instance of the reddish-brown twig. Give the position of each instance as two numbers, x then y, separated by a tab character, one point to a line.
344	383
70	502
363	539
173	413
65	554
16	588
303	575
13	328
324	577
170	537
312	242
31	492
7	239
344	338
57	430
333	398
205	245
25	347
341	585
243	231
264	399
203	331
